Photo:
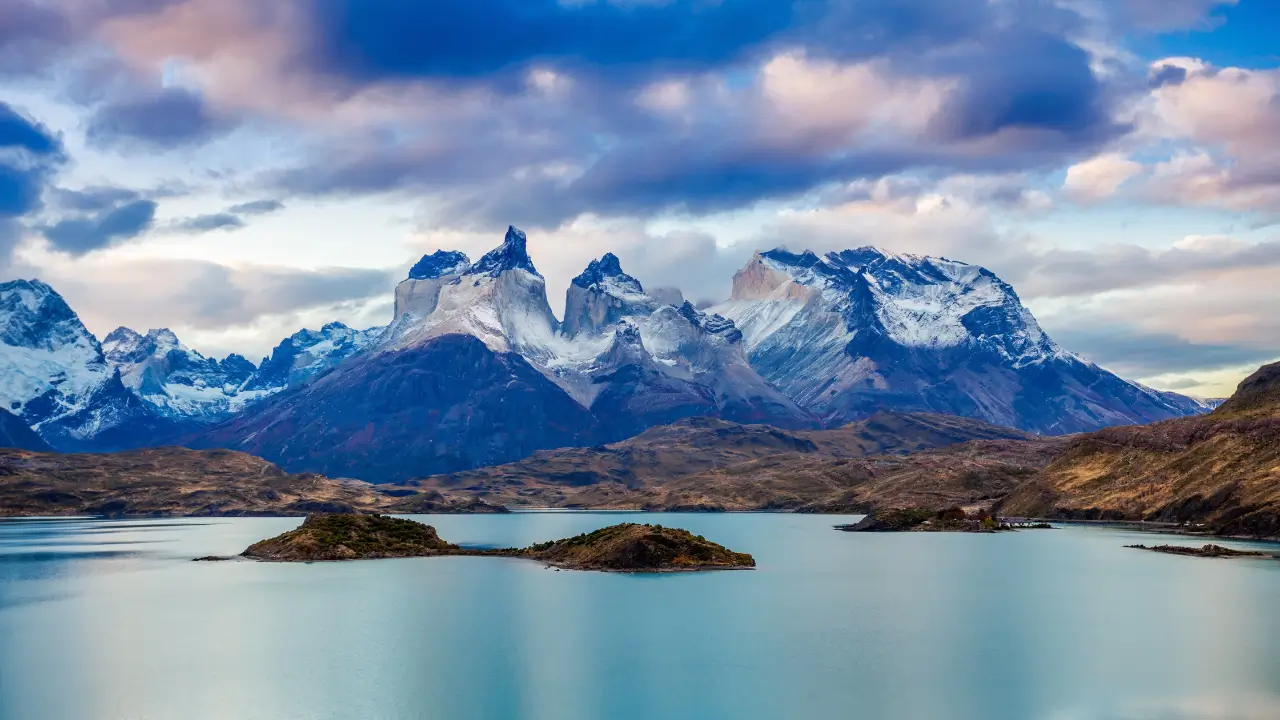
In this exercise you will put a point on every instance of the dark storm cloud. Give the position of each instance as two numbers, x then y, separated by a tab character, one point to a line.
84	234
169	118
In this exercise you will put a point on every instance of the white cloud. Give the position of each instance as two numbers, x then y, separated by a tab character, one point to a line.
1099	177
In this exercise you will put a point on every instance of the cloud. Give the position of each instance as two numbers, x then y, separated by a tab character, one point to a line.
209	223
256	207
110	290
1222	124
1099	177
169	118
1131	352
84	234
31	34
29	156
1078	273
544	110
1165	15
92	199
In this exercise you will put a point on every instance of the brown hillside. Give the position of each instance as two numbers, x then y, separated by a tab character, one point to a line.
1220	470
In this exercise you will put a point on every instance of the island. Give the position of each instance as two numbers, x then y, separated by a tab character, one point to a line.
950	520
632	547
1209	551
628	547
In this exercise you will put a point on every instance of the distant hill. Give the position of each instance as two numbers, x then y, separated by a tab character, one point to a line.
704	463
1221	470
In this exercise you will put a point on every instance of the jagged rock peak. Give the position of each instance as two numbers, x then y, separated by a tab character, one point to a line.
607	273
439	264
510	255
126	345
164	338
34	315
711	322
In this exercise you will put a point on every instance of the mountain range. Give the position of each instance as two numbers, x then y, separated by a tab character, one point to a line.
475	369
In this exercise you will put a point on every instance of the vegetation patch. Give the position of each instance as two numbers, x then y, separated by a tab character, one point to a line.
628	547
1209	551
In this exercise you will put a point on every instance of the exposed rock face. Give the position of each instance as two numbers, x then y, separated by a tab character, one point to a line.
15	434
602	296
351	537
448	404
308	353
177	381
54	376
1217	470
852	332
440	264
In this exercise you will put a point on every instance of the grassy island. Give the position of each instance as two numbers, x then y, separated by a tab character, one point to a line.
351	537
634	547
628	547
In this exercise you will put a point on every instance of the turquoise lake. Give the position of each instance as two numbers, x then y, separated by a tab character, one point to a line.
111	619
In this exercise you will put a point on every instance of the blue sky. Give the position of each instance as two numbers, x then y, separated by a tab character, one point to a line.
235	170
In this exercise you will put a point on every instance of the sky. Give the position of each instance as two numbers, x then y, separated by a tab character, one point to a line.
236	170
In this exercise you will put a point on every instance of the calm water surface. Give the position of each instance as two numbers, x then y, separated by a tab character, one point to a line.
111	619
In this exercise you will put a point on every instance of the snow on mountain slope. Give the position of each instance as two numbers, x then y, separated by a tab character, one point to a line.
856	331
53	375
693	360
308	353
178	381
500	299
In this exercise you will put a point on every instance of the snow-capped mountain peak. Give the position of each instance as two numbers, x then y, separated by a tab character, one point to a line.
180	383
512	254
853	331
53	373
603	295
440	264
307	353
500	300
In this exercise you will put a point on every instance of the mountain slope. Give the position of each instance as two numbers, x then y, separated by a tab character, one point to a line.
176	380
853	332
1221	470
15	434
308	353
54	376
448	404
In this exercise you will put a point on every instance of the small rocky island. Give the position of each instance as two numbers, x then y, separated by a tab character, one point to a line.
351	537
628	547
1209	551
949	520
